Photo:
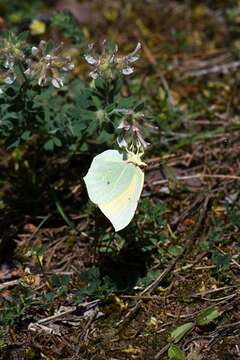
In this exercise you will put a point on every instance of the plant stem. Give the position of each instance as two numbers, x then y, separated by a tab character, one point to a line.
43	272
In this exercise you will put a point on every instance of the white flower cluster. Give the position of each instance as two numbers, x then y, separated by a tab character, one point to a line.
10	54
130	136
45	66
48	67
107	63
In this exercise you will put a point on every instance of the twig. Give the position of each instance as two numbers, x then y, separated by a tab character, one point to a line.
85	331
223	68
161	352
222	299
36	327
8	284
212	291
146	297
56	316
87	305
200	176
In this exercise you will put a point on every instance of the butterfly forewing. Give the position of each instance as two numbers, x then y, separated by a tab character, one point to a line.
115	186
105	178
121	209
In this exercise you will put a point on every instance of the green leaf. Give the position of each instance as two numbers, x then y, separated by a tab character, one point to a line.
148	278
49	47
26	135
49	145
92	280
22	37
117	86
127	102
97	102
175	250
206	316
139	107
100	84
234	216
180	332
175	353
14	144
57	141
63	214
222	261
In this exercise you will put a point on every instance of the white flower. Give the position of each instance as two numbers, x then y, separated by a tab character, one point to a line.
34	50
122	143
90	59
42	81
127	70
124	62
9	63
10	79
134	56
68	67
57	82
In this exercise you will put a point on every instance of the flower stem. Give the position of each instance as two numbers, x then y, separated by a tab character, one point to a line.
21	70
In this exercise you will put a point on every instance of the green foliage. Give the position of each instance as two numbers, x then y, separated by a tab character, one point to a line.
16	10
148	278
175	353
21	300
66	23
234	216
109	242
219	234
233	13
207	315
153	220
204	317
95	284
222	261
178	333
153	213
16	306
77	118
60	286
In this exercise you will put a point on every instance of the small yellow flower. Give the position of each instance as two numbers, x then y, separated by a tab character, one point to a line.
37	27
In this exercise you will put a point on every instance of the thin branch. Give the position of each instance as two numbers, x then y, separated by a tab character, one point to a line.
200	176
223	68
8	284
